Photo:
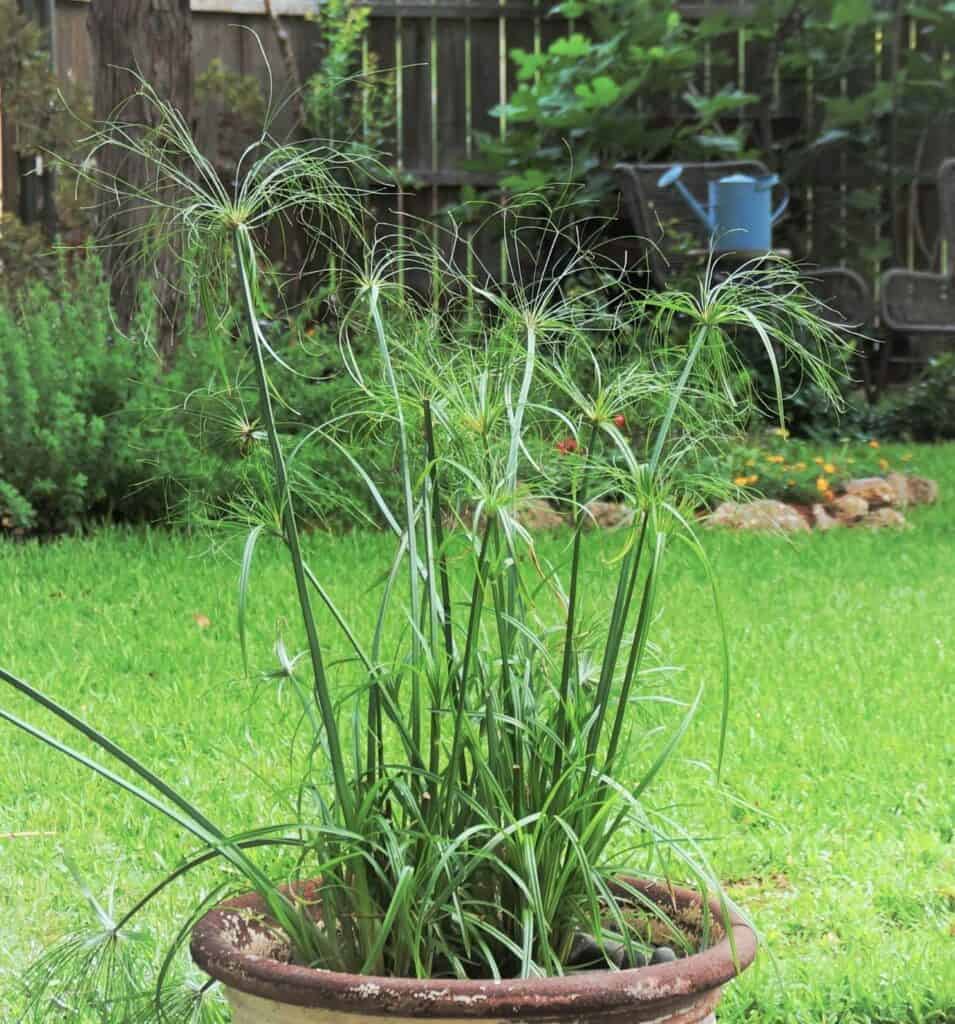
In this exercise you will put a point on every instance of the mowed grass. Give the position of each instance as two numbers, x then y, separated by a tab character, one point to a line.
833	826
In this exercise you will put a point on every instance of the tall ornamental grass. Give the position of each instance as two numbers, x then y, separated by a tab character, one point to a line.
480	797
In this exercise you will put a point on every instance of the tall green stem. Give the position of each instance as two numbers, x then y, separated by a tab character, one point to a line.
569	666
410	518
346	799
290	528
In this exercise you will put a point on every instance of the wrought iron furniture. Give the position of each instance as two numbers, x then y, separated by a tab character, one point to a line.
920	302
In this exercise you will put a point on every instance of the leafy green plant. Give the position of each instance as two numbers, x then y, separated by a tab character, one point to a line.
38	112
464	804
777	466
619	84
350	99
843	98
923	410
93	426
62	381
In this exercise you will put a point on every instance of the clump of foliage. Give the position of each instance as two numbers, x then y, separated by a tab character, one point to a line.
62	382
25	255
42	109
619	84
922	410
94	426
793	470
879	94
834	91
30	90
350	99
464	803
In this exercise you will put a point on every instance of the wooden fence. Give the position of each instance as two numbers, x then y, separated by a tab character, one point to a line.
452	56
454	69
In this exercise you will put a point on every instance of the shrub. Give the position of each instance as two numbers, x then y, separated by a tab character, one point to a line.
93	427
804	472
63	377
925	409
622	82
597	93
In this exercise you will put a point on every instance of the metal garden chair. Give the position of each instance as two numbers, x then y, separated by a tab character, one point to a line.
920	302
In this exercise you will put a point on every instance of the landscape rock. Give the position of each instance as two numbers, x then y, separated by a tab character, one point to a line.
900	485
849	508
822	520
607	515
764	514
537	514
874	490
586	951
663	955
921	490
885	516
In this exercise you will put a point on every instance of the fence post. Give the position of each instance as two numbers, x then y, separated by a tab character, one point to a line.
37	194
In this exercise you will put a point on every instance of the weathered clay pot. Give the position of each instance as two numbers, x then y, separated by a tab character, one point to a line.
264	988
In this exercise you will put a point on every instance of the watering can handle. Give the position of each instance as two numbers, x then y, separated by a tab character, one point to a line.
669	176
781	209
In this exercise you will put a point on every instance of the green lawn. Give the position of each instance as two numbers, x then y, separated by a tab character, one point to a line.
834	828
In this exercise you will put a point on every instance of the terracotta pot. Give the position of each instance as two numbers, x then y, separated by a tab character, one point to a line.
264	988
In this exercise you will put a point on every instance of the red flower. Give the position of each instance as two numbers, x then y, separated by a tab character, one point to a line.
620	421
568	446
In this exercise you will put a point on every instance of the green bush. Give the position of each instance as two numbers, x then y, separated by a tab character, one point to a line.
922	411
62	380
92	426
602	92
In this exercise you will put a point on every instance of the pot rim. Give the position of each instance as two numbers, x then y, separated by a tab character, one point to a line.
215	950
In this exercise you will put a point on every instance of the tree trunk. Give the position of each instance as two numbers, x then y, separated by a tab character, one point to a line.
154	38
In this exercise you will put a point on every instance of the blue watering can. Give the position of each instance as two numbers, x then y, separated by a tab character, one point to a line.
738	211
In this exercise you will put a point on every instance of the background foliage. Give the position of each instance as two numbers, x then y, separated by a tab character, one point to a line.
94	427
830	85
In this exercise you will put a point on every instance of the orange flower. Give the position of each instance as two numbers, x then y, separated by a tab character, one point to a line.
741	481
822	484
829	495
799	466
828	468
818	460
873	443
775	458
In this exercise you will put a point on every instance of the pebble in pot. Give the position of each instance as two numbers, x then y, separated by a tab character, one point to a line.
586	951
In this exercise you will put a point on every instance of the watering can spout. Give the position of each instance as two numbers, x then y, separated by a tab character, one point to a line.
672	177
